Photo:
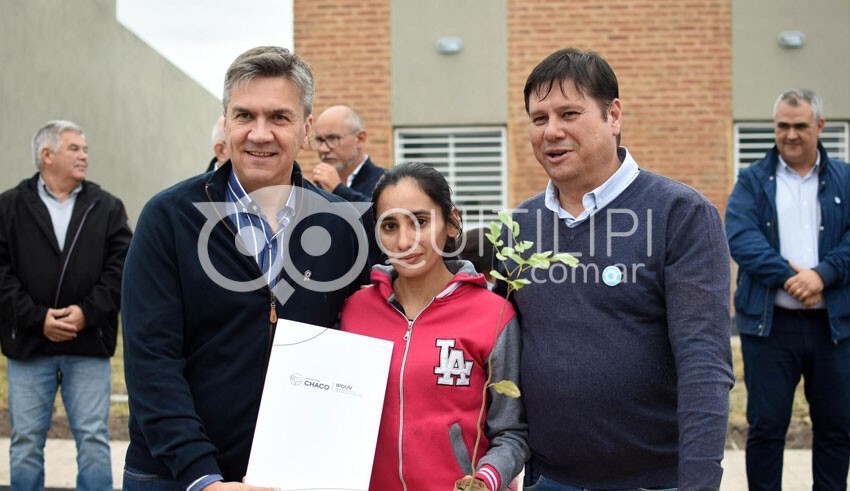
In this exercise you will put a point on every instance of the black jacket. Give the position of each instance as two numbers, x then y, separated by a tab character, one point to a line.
35	275
198	325
363	183
361	191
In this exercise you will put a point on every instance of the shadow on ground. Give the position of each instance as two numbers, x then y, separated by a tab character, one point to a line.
60	429
799	435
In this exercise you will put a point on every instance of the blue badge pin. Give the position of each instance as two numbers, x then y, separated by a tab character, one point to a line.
612	276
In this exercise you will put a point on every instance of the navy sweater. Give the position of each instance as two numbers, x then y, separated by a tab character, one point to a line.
628	385
195	348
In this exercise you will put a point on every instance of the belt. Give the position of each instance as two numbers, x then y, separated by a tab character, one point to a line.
805	313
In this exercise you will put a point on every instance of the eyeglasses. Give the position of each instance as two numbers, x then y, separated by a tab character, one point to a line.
332	141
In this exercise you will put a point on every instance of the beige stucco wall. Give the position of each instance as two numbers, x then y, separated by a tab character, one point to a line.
762	70
147	124
429	88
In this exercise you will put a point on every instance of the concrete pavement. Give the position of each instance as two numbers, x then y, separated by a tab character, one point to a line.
61	467
60	463
796	471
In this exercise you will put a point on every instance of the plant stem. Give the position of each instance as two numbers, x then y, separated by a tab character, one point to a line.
486	387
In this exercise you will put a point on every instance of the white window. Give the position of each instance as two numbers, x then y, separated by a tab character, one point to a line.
753	140
473	160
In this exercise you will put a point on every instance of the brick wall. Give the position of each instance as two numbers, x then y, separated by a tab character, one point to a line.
347	44
673	60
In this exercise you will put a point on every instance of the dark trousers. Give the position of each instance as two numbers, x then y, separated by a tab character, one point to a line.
799	344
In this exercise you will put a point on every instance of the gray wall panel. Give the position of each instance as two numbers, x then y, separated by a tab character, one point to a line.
762	70
429	88
147	124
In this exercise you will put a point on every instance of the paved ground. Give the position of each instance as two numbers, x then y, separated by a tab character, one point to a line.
796	475
61	467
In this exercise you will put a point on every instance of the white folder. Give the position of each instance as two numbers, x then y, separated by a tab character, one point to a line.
321	409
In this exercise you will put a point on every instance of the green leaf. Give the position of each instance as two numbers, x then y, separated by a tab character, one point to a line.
523	246
507	388
537	262
497	275
505	218
500	257
565	258
518	284
507	251
515	228
495	230
516	258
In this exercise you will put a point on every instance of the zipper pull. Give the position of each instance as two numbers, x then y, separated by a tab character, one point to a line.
409	328
273	313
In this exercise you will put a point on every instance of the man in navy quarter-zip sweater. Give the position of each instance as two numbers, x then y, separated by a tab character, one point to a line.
63	241
788	221
626	361
214	261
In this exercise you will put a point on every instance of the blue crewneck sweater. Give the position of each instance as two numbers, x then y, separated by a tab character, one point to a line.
626	383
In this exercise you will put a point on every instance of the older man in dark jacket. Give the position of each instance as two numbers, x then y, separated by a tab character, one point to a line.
62	246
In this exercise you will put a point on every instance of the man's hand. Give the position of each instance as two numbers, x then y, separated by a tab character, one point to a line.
812	300
326	176
803	285
75	317
56	328
234	486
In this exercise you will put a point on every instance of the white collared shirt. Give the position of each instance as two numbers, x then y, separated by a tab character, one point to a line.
256	234
60	211
354	173
799	216
599	197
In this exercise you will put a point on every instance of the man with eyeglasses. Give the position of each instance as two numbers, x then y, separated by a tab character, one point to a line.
340	141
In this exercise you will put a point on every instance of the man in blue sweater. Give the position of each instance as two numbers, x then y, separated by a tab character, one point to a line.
626	363
788	221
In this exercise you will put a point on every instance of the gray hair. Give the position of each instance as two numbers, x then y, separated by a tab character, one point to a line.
271	61
793	98
218	131
50	136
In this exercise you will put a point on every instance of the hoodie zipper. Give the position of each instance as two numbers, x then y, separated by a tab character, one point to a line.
272	321
407	335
